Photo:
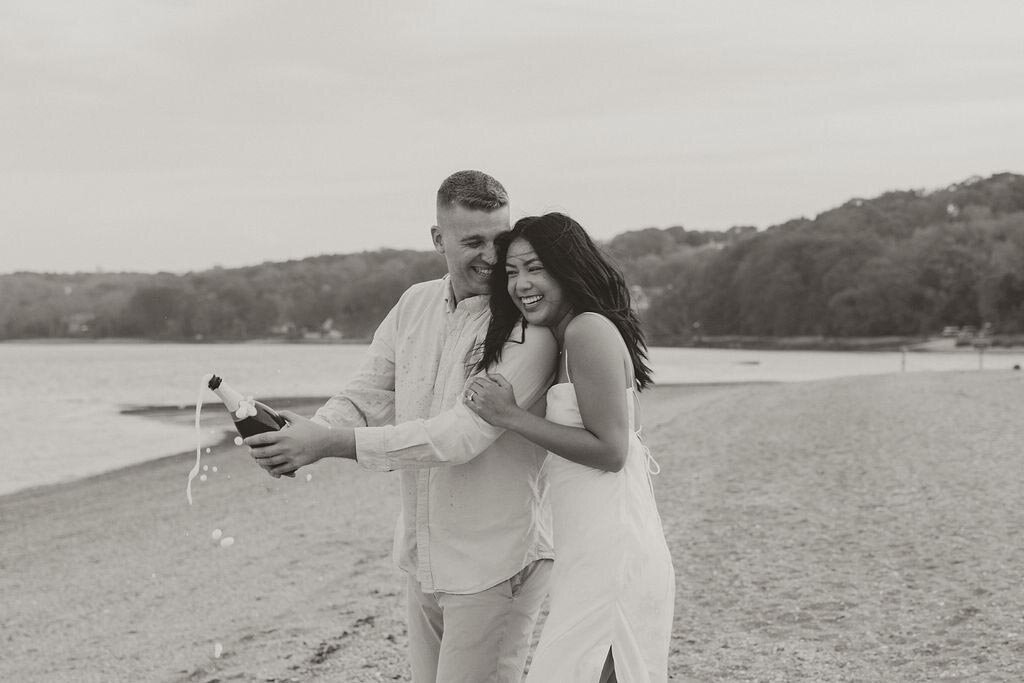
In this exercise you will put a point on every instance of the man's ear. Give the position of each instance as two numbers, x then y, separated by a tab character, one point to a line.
437	239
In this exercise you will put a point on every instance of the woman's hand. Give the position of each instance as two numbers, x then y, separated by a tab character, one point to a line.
491	398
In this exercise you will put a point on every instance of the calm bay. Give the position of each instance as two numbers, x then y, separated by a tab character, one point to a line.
63	402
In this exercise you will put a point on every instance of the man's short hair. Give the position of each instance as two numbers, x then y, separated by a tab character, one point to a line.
471	190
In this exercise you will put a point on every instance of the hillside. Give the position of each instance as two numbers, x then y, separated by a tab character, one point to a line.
904	263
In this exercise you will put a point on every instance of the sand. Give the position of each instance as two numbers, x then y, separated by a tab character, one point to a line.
862	529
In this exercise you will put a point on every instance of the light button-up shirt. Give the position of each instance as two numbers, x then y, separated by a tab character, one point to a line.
474	509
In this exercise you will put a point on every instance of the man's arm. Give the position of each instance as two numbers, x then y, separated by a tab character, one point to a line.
367	399
369	396
455	436
458	435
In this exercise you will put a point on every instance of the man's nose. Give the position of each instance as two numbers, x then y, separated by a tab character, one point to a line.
489	255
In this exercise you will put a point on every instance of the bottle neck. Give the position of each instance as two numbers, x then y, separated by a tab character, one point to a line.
229	396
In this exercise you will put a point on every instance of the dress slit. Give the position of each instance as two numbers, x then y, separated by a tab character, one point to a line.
608	673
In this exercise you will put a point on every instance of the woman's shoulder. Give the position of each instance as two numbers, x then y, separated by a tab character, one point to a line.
595	349
592	333
590	325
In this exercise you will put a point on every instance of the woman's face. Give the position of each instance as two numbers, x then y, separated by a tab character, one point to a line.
536	294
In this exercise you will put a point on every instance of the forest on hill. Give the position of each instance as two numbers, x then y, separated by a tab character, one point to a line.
906	263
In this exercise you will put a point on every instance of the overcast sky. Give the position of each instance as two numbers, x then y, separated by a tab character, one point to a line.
178	135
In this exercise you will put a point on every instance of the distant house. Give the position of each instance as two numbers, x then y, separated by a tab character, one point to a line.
326	331
965	335
641	302
288	330
79	323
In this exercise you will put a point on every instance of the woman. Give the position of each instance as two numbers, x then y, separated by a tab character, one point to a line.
613	586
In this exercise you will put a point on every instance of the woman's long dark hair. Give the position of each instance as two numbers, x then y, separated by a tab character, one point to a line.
589	280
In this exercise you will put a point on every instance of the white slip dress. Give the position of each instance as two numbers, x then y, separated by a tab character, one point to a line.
612	584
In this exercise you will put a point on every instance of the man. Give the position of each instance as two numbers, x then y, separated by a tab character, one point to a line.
474	533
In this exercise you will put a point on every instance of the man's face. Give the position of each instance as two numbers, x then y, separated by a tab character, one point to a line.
465	237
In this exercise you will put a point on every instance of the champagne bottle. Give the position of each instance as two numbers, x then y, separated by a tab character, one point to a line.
250	417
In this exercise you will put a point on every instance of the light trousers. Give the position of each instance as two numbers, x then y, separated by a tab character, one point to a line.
477	638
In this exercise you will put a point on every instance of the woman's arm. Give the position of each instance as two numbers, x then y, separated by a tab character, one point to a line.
597	369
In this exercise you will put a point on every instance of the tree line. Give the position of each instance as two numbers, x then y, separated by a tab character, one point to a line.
338	295
905	263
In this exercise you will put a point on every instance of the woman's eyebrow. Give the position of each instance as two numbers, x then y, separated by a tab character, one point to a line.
521	260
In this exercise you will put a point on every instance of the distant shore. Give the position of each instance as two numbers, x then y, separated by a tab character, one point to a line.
812	343
805	343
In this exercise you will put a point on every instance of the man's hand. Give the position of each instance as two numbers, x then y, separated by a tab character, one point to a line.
302	442
492	399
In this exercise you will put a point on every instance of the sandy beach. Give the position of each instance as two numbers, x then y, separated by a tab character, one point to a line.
860	529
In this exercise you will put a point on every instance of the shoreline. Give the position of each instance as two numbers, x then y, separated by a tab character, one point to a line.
857	528
185	415
916	344
852	344
172	414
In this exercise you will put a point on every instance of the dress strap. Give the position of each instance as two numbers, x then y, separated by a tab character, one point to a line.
653	468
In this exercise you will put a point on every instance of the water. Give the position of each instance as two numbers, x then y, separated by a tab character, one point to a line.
62	402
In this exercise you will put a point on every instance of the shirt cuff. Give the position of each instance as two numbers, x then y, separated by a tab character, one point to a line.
370	450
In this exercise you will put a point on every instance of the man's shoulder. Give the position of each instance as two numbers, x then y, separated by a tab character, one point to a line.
428	290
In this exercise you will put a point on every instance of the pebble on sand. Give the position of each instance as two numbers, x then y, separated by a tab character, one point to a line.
227	541
217	533
218	649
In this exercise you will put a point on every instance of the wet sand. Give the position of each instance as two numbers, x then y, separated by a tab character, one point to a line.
861	529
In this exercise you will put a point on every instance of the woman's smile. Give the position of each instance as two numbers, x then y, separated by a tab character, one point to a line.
530	302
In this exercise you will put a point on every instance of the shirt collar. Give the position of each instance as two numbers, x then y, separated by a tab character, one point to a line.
470	304
476	303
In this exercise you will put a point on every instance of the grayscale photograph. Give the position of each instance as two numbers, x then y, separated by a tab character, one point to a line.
664	341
